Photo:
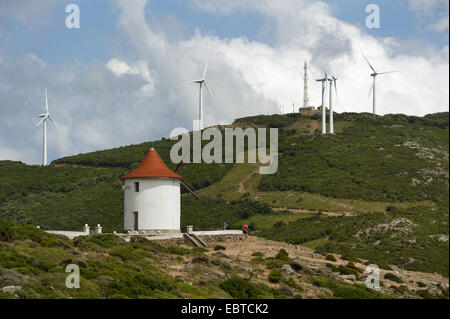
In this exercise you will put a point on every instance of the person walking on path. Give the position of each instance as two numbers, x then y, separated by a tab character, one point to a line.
245	229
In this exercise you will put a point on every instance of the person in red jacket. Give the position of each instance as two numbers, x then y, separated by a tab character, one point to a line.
245	229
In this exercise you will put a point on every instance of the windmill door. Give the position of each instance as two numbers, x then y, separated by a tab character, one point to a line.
136	219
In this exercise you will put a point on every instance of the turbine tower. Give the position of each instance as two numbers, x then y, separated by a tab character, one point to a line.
202	82
305	86
44	117
332	82
324	118
374	77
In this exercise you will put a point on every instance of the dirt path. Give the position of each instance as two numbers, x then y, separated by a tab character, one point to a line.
241	188
304	210
82	166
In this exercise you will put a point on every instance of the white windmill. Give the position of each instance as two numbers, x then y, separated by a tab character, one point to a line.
324	117
43	121
332	82
202	82
374	77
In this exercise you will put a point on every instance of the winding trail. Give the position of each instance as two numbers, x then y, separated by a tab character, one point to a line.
305	210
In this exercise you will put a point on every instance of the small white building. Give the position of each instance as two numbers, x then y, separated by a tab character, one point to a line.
152	197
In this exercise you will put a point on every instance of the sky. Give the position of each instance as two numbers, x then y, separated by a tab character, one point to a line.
121	77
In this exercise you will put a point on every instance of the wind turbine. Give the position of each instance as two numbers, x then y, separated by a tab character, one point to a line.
200	102
332	81
374	77
324	118
43	121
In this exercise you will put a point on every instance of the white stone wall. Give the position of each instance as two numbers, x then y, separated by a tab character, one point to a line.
69	234
157	204
217	232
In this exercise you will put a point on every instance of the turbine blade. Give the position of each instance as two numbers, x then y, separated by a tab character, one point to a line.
209	90
193	81
369	63
371	89
335	89
40	122
204	71
51	119
46	101
388	72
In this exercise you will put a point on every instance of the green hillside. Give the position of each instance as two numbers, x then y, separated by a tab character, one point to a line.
376	190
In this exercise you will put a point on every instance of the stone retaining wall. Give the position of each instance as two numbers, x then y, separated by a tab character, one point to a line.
222	238
207	238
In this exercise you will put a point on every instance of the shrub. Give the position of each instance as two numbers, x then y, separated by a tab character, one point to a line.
219	247
177	250
282	254
421	284
200	260
258	254
239	288
199	250
124	253
349	257
275	276
291	283
392	277
216	262
107	240
296	266
347	271
274	263
332	267
139	286
7	232
278	224
258	260
330	258
424	294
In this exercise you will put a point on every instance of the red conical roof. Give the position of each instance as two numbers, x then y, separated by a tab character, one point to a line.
152	166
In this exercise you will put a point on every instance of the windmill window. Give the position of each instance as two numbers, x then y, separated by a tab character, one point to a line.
136	186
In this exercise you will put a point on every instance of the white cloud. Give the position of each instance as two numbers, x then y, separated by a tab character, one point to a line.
27	12
139	68
19	154
434	9
440	26
134	99
427	5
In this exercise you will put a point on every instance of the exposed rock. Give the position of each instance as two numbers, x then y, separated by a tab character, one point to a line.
399	225
314	269
287	269
188	266
434	291
325	270
351	278
11	289
327	292
286	291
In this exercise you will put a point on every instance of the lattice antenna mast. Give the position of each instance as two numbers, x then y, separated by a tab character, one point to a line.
305	87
